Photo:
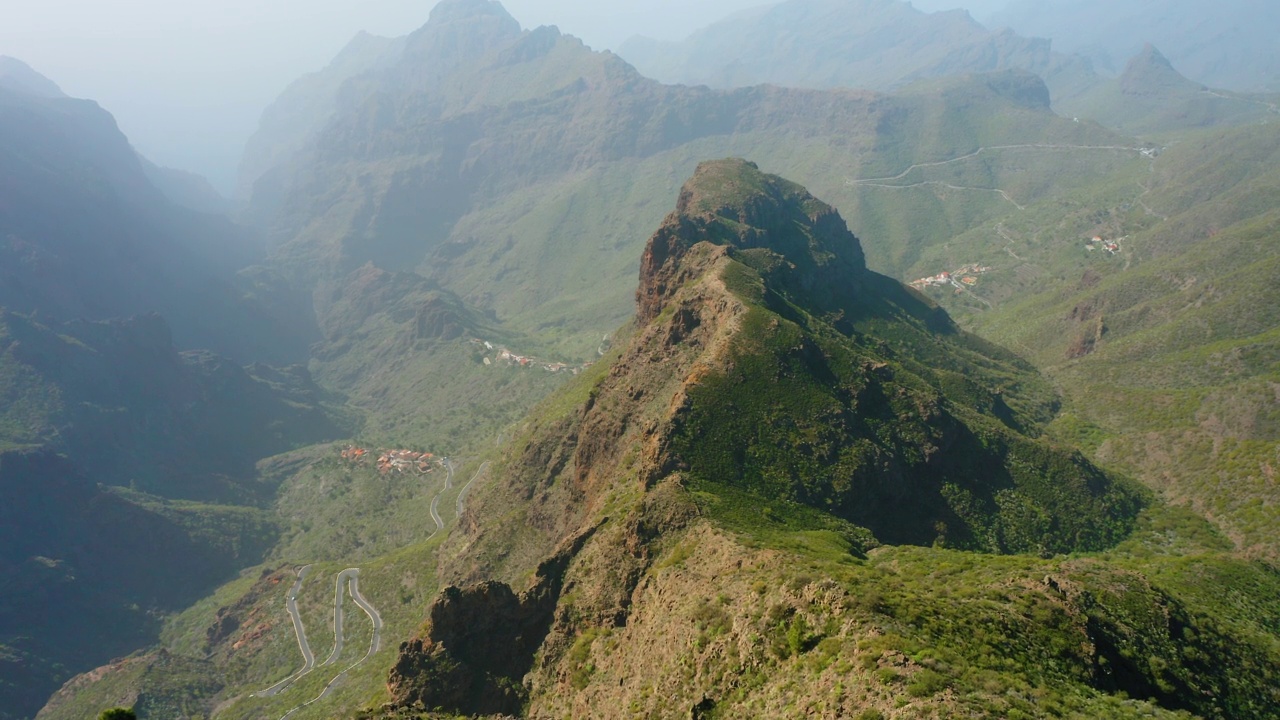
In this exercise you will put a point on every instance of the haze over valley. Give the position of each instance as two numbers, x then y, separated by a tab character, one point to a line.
823	358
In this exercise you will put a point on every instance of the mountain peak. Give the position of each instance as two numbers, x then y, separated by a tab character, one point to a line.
19	77
1150	72
1150	54
453	10
460	31
732	203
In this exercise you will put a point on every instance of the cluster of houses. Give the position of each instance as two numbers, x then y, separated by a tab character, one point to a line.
1097	243
397	461
962	277
510	359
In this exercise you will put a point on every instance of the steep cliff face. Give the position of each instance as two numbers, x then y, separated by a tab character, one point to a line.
771	386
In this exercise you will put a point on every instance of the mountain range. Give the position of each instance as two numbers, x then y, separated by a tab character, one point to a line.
1225	44
872	44
87	235
1151	97
767	479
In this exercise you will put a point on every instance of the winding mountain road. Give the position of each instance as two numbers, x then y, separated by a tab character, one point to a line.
435	501
885	182
308	659
351	578
462	495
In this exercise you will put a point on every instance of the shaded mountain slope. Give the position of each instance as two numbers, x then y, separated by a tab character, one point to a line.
87	235
661	583
121	402
187	190
89	408
306	105
16	76
88	570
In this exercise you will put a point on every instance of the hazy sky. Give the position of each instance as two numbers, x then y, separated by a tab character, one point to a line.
187	79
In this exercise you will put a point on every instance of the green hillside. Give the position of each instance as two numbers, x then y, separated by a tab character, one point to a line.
1178	386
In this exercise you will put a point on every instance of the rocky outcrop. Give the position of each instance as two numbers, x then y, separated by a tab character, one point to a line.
479	643
435	320
731	203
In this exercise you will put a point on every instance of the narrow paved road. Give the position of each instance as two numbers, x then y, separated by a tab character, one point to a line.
308	659
338	614
463	494
352	578
435	501
435	513
885	182
949	186
375	643
982	150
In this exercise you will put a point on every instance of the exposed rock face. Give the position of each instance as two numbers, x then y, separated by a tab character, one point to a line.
480	642
727	203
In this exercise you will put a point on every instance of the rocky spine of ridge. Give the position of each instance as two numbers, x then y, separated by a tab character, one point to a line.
600	488
566	475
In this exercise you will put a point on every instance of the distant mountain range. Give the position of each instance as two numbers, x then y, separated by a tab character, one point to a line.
449	161
17	76
303	109
1151	97
872	44
1225	44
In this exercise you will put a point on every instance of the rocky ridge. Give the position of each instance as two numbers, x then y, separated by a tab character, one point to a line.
608	488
